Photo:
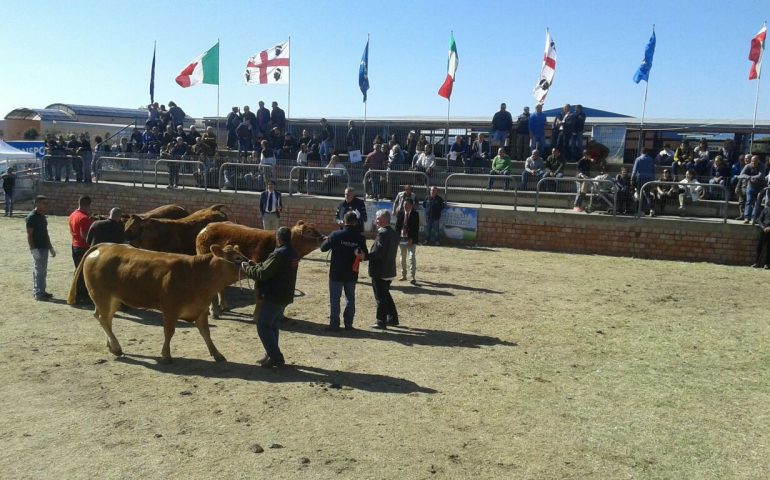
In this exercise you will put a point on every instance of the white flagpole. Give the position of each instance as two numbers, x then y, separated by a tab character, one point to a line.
756	104
448	103
644	110
288	107
218	82
363	133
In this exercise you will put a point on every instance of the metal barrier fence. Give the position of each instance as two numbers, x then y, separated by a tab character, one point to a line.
174	172
55	165
136	175
386	183
491	181
685	190
597	190
254	177
318	179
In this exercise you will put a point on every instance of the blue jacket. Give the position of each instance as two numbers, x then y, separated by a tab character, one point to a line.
644	170
537	124
343	244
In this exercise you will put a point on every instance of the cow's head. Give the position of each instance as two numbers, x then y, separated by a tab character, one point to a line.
133	227
305	237
229	253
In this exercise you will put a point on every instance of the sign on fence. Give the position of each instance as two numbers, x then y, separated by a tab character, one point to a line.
460	223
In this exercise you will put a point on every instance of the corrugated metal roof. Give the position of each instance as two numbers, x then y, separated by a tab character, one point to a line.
96	111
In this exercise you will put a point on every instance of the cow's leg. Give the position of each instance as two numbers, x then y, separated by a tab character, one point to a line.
104	314
216	309
202	322
169	327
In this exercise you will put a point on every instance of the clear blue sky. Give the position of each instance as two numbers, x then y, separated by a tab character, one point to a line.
99	53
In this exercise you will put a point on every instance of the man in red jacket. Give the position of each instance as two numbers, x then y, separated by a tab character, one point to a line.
80	222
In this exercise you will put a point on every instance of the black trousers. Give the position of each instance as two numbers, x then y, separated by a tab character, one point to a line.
77	256
386	308
763	243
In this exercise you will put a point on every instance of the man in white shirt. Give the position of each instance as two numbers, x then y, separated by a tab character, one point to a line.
270	207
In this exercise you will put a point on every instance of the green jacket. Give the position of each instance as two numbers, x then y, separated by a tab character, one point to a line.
500	164
276	277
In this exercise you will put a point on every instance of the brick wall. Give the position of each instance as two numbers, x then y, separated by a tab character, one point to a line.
668	239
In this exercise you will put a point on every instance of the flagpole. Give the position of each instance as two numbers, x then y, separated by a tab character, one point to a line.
218	82
448	103
756	104
644	111
288	106
363	133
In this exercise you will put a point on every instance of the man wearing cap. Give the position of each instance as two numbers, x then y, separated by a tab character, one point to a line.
270	206
40	246
348	247
276	278
107	231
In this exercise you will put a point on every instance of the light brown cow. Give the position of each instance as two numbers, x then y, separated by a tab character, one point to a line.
180	286
256	244
173	212
174	236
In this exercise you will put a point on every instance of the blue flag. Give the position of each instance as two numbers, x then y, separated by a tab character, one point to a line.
152	77
643	73
363	72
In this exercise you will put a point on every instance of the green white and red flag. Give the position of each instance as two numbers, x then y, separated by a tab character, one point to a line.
446	89
755	53
204	69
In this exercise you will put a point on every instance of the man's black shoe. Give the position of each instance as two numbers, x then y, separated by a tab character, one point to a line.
270	363
46	295
393	322
349	327
380	326
332	328
262	360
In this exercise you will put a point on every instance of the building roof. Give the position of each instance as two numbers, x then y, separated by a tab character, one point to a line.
96	111
590	113
45	114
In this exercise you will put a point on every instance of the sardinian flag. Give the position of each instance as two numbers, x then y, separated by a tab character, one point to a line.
547	71
269	66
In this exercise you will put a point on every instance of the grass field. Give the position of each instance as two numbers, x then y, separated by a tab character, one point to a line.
510	364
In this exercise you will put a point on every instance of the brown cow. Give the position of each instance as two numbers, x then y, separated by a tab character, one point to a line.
174	236
256	244
173	212
180	286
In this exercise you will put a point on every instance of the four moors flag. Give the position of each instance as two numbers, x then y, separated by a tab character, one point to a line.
547	71
446	89
755	53
204	69
269	66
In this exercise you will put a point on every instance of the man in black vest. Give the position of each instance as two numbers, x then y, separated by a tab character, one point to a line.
276	278
382	270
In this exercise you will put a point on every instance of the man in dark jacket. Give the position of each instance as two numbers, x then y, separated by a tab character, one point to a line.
354	204
107	231
521	147
408	224
434	206
233	120
348	248
502	122
382	270
278	117
763	222
276	278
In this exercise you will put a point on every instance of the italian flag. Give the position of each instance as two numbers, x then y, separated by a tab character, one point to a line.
446	89
204	69
755	53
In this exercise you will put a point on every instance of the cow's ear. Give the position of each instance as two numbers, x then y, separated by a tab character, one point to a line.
217	251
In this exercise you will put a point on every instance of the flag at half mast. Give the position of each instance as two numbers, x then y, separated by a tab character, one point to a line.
269	66
547	71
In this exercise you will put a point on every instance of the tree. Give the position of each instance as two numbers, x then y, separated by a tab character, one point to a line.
31	134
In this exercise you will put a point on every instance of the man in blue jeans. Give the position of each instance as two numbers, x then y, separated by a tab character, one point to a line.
276	278
348	248
39	246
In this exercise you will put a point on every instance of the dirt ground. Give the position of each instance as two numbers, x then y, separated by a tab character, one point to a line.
510	364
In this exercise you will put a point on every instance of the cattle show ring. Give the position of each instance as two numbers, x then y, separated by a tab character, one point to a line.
539	361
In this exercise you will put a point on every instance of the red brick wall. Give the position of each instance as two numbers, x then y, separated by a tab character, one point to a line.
668	239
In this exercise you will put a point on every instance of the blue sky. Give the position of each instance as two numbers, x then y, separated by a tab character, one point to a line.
99	53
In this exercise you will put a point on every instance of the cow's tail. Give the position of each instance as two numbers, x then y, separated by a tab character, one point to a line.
78	274
222	207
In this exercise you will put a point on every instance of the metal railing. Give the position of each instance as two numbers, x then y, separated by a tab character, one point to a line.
55	165
312	176
387	181
684	189
201	167
597	190
255	177
491	181
136	175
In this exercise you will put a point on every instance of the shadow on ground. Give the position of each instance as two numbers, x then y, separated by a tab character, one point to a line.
288	374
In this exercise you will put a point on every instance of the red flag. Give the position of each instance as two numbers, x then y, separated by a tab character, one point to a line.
755	53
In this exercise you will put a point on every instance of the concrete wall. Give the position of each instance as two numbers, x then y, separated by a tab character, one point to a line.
669	239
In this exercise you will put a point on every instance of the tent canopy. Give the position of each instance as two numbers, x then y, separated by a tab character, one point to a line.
8	152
